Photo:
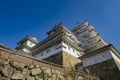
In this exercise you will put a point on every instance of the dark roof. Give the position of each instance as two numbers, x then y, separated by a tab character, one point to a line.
80	25
107	47
57	27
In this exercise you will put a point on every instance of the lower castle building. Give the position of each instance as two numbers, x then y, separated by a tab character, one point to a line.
82	48
60	47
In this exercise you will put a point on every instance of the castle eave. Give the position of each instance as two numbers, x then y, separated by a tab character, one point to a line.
107	47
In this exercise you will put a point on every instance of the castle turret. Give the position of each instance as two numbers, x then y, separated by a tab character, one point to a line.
26	44
90	39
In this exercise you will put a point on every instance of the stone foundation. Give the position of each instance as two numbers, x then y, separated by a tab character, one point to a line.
57	58
64	59
107	70
19	71
69	60
15	66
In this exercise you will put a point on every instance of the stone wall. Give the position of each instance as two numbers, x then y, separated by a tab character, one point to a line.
106	70
69	60
64	59
16	66
19	71
56	58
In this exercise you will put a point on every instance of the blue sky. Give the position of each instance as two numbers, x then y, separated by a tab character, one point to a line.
19	18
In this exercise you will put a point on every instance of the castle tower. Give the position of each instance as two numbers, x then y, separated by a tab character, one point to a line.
103	62
100	58
60	47
90	39
26	44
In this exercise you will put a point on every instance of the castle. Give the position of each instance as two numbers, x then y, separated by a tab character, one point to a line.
82	48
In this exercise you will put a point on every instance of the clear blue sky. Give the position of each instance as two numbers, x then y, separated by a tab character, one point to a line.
19	18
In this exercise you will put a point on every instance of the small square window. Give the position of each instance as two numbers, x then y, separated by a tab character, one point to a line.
41	54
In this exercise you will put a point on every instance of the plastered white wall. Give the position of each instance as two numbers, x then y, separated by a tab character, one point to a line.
26	50
115	57
70	50
48	52
56	49
98	58
30	44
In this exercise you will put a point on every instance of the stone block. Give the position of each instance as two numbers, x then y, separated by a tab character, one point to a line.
30	78
69	60
3	78
26	72
35	71
48	71
17	76
31	66
7	71
17	65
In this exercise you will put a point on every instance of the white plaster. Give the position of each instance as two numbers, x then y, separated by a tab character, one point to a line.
56	49
34	38
70	50
30	44
49	52
115	57
26	50
98	58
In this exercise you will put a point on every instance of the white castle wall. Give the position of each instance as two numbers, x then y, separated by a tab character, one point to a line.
26	50
56	49
72	51
50	51
115	57
30	44
98	58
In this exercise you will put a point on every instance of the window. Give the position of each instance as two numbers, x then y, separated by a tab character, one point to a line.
58	47
48	50
41	54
